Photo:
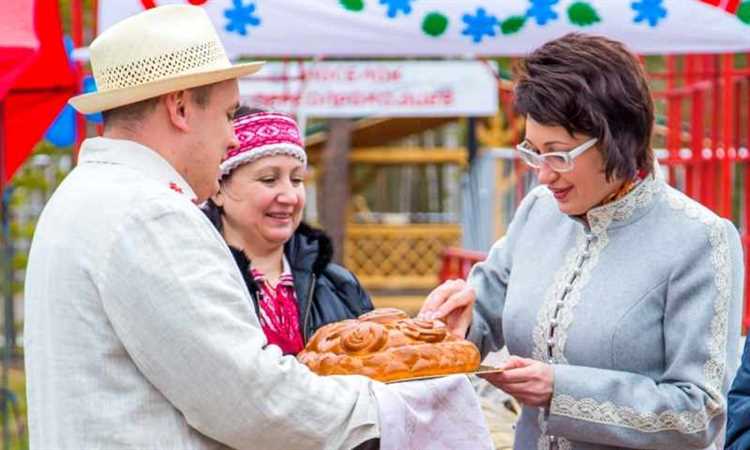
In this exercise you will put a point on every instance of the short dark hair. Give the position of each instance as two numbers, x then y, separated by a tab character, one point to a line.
245	110
201	95
129	113
595	86
134	112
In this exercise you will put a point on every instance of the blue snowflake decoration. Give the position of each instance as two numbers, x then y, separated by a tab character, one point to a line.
479	25
240	17
649	10
397	6
542	11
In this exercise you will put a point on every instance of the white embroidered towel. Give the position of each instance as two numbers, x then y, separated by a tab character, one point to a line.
436	414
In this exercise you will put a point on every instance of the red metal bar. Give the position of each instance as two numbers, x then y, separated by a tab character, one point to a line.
709	67
674	115
457	263
732	5
696	129
76	16
739	85
506	102
727	66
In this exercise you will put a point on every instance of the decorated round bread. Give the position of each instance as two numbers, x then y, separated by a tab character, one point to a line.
386	345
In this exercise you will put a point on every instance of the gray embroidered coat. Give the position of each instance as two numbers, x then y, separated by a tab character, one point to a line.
637	314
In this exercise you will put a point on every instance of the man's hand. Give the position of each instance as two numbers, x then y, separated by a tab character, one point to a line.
529	381
452	302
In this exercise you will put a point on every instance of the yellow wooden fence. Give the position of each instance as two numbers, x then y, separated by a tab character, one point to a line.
387	256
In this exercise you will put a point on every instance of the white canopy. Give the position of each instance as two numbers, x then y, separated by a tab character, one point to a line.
440	28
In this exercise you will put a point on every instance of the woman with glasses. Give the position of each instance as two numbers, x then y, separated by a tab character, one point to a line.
617	296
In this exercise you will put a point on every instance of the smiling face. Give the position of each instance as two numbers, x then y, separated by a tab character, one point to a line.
263	202
583	187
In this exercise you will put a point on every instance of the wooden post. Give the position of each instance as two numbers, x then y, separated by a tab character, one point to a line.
334	193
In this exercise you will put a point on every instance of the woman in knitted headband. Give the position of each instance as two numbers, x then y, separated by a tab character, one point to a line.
286	263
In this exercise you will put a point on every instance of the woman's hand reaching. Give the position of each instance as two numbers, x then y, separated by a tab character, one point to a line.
452	302
529	381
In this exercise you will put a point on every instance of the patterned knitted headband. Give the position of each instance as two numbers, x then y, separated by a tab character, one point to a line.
264	134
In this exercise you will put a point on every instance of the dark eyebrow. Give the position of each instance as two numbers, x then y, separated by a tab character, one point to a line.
556	142
547	144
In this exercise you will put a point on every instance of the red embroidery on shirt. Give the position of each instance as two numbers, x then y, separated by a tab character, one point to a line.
279	313
175	187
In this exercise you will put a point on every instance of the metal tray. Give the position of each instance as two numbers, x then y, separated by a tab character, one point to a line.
481	370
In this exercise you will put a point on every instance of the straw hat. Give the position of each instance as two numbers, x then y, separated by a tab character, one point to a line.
161	50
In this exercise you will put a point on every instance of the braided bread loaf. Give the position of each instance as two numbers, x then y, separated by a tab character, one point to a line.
386	345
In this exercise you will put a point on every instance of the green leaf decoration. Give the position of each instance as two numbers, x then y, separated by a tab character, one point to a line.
743	12
20	260
583	14
434	24
353	5
512	24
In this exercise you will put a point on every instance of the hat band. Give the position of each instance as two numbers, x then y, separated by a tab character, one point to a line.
158	67
292	150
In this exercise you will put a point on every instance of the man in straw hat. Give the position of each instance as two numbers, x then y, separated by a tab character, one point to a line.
139	329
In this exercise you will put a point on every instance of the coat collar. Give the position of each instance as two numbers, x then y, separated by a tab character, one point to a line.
626	210
101	150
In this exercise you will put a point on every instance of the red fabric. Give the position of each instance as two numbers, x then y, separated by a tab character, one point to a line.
729	5
37	91
279	313
17	40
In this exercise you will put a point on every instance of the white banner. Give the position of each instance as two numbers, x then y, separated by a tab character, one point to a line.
440	28
375	88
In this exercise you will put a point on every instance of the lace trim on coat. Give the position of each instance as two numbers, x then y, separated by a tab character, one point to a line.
554	292
544	443
608	413
599	220
714	369
578	268
642	195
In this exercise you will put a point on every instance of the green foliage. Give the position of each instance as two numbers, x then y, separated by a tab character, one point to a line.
15	230
66	13
31	180
60	175
32	185
20	260
17	385
17	287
